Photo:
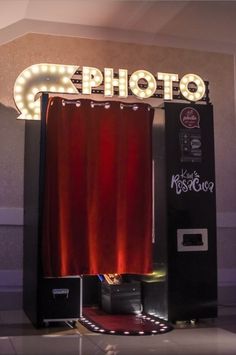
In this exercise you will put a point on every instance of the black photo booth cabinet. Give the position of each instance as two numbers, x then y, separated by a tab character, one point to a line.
185	213
184	283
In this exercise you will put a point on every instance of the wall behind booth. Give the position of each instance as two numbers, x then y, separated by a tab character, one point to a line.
30	49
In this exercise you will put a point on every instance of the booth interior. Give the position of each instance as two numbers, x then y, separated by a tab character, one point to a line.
132	237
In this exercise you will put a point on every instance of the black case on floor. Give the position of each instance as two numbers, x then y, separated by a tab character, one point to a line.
60	298
123	298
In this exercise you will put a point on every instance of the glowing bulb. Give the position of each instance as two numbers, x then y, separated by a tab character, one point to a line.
27	74
93	71
35	90
97	78
142	94
37	103
20	104
53	68
44	68
30	97
131	84
200	88
43	88
109	72
70	70
18	88
191	97
21	80
191	78
62	70
85	70
35	69
31	105
65	80
18	97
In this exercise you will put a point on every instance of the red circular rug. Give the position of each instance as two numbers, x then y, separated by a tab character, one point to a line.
98	321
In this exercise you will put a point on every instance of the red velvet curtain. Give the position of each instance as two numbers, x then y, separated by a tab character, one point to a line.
98	188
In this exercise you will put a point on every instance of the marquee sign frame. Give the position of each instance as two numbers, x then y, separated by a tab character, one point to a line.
85	81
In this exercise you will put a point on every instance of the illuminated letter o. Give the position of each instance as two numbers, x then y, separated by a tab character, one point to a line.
197	80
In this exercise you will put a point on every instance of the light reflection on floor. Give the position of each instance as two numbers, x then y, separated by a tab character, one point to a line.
208	337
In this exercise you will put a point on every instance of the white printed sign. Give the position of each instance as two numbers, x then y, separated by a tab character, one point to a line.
186	181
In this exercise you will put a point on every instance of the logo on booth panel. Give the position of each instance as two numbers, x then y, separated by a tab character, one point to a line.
190	118
186	181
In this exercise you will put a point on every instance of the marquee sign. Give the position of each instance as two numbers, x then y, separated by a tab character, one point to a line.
70	79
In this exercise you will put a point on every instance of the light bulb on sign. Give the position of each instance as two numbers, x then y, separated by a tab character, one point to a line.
88	79
110	82
56	78
142	93
41	78
168	79
200	87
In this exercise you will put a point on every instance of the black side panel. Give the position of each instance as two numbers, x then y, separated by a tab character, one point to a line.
191	206
155	292
42	298
35	132
31	219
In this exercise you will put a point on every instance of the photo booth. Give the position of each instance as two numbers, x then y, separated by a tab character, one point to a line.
119	188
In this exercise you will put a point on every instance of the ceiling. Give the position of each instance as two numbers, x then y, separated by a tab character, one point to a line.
196	24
